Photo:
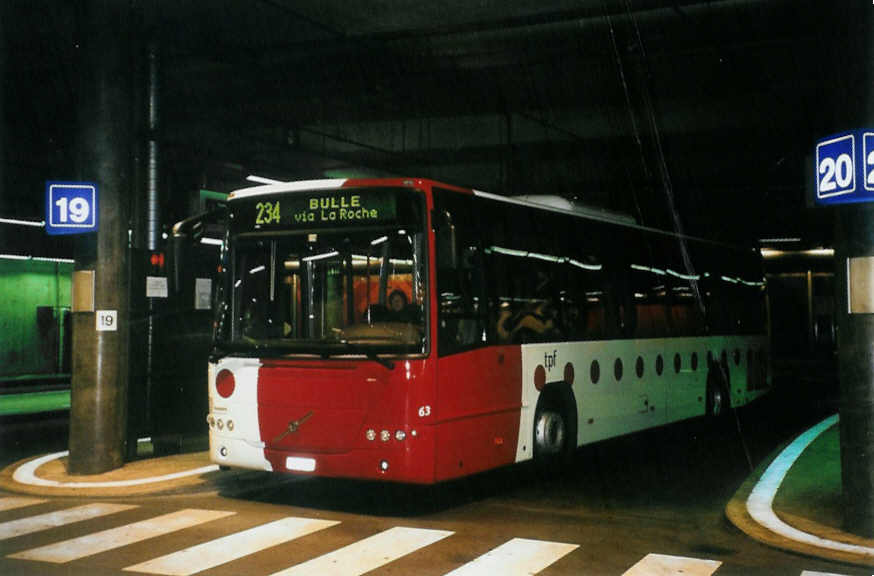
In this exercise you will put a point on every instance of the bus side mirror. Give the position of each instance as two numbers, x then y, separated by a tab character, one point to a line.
446	249
179	255
186	234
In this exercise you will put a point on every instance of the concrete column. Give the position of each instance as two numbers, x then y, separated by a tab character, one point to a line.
99	382
854	236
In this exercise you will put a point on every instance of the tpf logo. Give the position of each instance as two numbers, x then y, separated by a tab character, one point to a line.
550	360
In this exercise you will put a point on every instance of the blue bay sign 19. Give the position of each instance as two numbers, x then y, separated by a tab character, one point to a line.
845	168
71	207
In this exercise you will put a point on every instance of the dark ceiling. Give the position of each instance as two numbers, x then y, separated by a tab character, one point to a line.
702	113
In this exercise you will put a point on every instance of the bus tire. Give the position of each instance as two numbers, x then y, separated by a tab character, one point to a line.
555	430
718	396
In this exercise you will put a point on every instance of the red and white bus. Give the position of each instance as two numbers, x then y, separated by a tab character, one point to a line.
413	331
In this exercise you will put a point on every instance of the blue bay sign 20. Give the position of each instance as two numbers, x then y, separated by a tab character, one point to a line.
845	168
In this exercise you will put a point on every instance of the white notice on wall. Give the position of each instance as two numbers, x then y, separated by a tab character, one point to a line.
860	284
156	286
202	293
107	320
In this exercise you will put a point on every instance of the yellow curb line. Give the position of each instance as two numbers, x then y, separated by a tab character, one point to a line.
757	493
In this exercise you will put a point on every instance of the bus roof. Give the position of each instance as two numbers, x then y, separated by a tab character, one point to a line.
280	187
563	205
533	201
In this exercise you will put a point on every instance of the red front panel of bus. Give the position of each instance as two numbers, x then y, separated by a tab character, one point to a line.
322	409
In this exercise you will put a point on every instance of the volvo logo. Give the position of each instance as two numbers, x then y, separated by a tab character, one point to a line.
293	426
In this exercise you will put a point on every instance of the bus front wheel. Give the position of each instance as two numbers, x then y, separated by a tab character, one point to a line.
554	430
550	432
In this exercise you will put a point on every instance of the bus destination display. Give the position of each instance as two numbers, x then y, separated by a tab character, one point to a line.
336	208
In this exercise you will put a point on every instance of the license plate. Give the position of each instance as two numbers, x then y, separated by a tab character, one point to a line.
300	464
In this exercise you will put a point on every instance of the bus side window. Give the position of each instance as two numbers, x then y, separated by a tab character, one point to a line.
587	313
621	305
684	287
460	286
653	289
470	276
445	234
627	304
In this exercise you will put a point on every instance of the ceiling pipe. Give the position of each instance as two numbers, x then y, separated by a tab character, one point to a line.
153	214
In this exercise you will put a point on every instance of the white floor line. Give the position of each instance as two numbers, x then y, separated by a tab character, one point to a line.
809	573
13	502
232	547
761	499
368	554
32	524
26	474
518	557
98	542
661	565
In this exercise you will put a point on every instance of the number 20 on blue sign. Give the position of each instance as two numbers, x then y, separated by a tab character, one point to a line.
71	207
845	168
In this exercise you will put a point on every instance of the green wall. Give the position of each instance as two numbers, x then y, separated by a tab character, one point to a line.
26	347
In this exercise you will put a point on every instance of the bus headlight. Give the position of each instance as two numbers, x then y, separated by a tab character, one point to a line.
370	434
385	435
400	435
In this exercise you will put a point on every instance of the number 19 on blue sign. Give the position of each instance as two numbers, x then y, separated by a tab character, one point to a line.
71	207
845	168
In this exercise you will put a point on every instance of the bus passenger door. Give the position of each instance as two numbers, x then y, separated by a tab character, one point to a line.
478	385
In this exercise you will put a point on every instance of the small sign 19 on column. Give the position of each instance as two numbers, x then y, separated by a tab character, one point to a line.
71	207
845	168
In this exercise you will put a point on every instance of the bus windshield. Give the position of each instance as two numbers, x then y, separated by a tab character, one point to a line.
333	292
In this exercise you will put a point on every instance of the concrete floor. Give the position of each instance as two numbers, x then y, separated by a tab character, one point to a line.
659	493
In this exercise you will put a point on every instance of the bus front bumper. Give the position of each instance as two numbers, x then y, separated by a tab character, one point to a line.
410	460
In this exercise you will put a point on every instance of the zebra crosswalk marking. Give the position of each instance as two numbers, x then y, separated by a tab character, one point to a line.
518	557
661	565
228	548
32	524
13	502
368	554
113	538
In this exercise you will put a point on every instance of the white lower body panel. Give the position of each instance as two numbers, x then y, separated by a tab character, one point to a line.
618	388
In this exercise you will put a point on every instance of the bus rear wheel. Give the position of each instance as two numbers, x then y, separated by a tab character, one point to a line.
718	399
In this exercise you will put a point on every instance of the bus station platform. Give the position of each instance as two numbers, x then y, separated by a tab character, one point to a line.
791	502
178	474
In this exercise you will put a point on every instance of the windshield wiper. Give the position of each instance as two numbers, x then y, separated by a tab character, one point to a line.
370	355
221	349
382	361
245	349
257	348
